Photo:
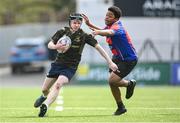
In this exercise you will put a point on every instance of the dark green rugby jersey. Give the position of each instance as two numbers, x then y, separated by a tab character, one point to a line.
72	56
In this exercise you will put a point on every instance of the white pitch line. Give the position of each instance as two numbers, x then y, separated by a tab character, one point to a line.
92	122
59	108
93	108
103	108
60	97
59	102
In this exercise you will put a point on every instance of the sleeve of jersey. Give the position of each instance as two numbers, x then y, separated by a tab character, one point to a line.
116	29
57	35
90	40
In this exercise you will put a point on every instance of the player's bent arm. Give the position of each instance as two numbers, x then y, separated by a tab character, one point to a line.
57	46
51	45
103	53
106	32
92	26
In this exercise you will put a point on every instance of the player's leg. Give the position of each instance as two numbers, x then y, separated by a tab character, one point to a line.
129	84
47	85
113	82
53	94
48	82
116	80
125	68
55	89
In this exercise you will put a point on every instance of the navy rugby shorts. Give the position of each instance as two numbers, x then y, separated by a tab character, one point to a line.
125	67
60	69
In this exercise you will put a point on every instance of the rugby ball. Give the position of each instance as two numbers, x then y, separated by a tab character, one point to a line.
66	41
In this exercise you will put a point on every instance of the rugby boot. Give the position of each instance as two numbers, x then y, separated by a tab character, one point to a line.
39	101
43	110
130	88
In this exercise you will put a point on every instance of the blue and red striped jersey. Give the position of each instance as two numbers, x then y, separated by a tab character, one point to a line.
120	43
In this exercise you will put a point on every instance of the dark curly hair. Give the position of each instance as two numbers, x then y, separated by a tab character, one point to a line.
116	11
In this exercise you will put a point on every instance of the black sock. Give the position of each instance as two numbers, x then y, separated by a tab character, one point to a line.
120	105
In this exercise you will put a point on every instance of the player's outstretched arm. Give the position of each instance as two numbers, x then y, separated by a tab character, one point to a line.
88	23
103	53
105	32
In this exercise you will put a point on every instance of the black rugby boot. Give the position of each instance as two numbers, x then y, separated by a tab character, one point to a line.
39	101
43	110
130	88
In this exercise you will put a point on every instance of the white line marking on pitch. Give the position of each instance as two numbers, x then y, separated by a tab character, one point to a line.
59	108
103	108
89	108
60	97
59	102
92	122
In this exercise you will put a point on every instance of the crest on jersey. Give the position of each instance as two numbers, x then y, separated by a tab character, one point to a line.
77	39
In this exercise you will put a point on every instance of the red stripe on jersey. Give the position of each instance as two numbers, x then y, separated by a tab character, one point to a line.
128	37
115	26
114	51
109	41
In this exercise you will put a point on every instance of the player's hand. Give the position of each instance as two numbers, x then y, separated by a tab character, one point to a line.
60	46
94	31
86	19
113	66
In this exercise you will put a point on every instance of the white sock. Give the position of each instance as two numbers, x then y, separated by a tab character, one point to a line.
46	105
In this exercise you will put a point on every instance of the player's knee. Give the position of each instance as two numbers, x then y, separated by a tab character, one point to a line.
111	83
58	85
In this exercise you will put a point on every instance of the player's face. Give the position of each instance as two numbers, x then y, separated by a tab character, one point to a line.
110	18
75	24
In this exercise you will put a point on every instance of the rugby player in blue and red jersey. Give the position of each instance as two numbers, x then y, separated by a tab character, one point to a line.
124	54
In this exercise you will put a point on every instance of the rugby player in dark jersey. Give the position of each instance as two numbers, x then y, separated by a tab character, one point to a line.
65	64
123	51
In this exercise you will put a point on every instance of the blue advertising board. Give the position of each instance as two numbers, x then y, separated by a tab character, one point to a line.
175	74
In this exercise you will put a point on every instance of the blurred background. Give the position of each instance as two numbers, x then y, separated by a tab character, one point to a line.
27	25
